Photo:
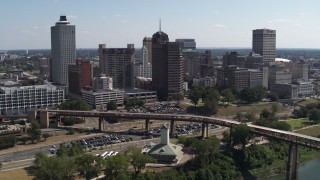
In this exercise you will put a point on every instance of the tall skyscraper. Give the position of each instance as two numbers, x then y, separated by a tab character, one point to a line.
143	68
167	66
63	50
187	43
118	64
147	42
101	61
264	43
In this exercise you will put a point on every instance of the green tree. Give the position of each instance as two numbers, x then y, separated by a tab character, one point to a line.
228	96
240	135
115	165
35	131
45	136
257	156
75	105
265	114
53	167
137	159
111	105
314	115
194	96
177	97
62	151
75	150
273	96
281	125
89	166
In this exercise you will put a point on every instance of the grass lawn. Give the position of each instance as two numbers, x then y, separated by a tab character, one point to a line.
308	101
16	174
299	123
312	131
231	111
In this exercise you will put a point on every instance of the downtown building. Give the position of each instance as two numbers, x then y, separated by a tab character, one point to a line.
63	50
143	68
167	66
264	43
22	99
80	76
118	64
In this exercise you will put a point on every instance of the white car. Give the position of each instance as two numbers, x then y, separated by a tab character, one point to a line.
52	150
115	153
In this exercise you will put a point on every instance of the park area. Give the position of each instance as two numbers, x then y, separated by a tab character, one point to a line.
299	123
231	111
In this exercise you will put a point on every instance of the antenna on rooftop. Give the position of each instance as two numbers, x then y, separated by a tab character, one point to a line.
160	25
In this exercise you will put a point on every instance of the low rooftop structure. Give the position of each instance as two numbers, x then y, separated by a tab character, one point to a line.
166	152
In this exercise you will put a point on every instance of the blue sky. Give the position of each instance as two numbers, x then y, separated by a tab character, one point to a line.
25	24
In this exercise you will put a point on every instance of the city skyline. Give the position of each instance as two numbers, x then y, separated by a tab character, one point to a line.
214	24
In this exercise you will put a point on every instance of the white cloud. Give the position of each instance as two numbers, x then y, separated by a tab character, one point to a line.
124	21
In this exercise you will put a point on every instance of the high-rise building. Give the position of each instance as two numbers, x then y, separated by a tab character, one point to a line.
191	61
147	42
63	50
102	83
234	58
254	61
278	74
233	77
167	66
264	43
80	76
187	43
118	64
299	70
143	68
101	60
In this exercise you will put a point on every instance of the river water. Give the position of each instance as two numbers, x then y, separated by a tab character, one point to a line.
309	170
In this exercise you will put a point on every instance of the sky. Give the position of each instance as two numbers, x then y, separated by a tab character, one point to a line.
25	24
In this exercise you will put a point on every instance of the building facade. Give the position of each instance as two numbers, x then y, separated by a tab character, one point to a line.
80	76
143	68
118	64
22	99
102	82
167	66
63	50
278	74
187	43
285	91
100	98
264	43
147	42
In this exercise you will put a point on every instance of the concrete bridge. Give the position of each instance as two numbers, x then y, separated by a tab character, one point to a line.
294	139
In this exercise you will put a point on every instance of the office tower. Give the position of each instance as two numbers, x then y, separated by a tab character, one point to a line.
278	74
102	83
147	42
101	60
187	43
233	77
63	50
264	43
191	61
254	61
299	70
234	58
118	64
167	66
143	68
80	76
